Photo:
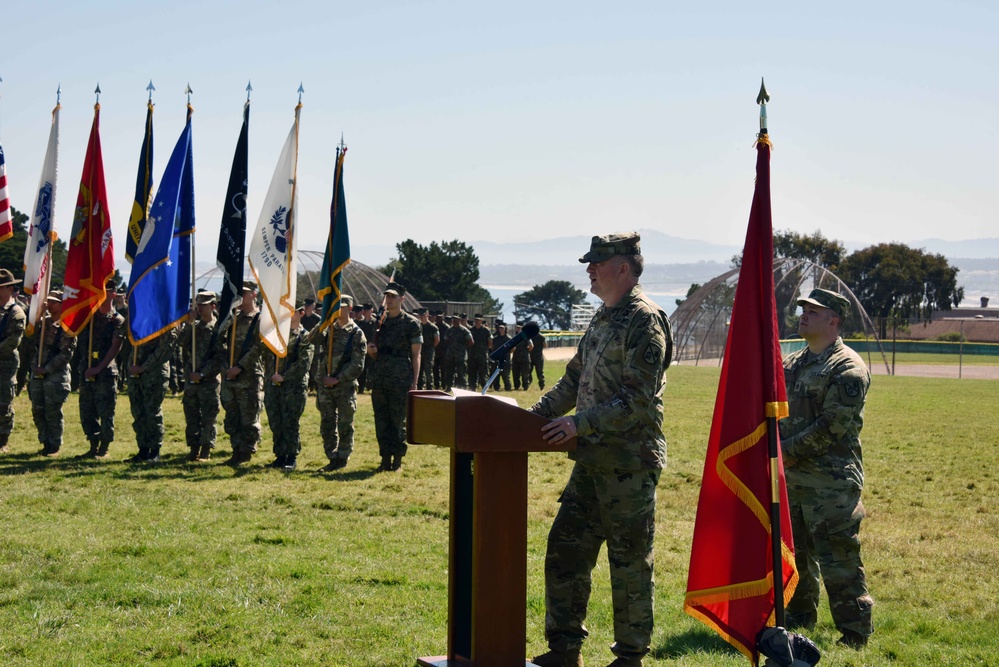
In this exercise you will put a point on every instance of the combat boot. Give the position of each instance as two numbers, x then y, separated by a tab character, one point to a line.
289	463
626	662
206	453
396	461
94	446
4	449
278	462
386	464
102	450
567	658
193	455
154	455
138	457
231	461
244	457
53	450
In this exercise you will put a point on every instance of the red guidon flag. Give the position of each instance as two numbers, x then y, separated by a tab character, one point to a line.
90	261
730	581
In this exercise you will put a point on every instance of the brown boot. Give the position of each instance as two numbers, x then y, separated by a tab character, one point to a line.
568	658
193	455
94	446
102	450
4	449
206	453
244	457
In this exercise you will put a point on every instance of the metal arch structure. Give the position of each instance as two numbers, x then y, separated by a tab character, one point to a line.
700	324
360	281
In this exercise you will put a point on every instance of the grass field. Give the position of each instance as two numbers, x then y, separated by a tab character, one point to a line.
105	563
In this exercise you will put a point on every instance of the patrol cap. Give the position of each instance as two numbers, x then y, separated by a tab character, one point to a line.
604	247
205	298
824	298
394	288
54	295
420	311
356	309
121	289
310	301
7	278
109	285
477	316
345	300
463	316
367	306
249	286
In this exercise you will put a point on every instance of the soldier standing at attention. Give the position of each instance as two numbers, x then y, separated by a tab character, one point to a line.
394	373
287	392
148	378
431	338
100	341
203	361
459	339
499	339
615	382
827	385
478	354
48	387
12	322
310	318
243	385
368	326
522	360
537	354
341	351
440	352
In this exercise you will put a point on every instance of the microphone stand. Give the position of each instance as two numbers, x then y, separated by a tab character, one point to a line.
500	366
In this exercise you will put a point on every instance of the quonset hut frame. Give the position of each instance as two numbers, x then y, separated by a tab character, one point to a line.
700	324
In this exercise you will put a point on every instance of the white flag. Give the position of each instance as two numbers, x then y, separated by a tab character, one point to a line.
273	250
41	231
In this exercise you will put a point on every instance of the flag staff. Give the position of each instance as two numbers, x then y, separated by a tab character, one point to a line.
232	327
48	259
194	277
150	88
777	557
97	92
90	323
249	89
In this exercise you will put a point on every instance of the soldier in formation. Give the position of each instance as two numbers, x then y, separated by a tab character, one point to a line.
478	354
12	321
440	352
203	362
287	391
365	320
537	356
243	385
499	339
459	340
100	341
342	351
522	360
148	379
49	385
431	338
827	385
615	384
394	372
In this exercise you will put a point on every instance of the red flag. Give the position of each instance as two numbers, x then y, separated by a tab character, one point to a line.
90	261
730	581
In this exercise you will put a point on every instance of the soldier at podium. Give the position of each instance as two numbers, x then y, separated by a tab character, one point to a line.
615	383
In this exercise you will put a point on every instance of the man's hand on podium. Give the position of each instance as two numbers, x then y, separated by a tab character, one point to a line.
559	431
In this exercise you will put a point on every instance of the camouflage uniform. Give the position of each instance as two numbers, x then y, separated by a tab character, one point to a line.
147	390
368	327
498	341
338	404
285	402
202	398
522	365
391	377
242	396
537	356
478	357
456	361
615	382
98	396
50	389
824	468
12	321
427	354
440	352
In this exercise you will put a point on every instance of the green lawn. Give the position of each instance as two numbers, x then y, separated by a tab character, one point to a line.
104	563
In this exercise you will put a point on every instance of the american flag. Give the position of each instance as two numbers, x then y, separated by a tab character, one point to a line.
6	224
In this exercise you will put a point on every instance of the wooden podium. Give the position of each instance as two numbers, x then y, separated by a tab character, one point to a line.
487	557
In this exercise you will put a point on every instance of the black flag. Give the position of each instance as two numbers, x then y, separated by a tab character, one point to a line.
232	233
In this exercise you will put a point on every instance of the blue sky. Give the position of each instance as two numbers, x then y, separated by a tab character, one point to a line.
531	120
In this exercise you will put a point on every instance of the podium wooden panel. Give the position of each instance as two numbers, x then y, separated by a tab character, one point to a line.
489	441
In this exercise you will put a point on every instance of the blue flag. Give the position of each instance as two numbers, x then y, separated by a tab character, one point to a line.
143	189
337	249
159	287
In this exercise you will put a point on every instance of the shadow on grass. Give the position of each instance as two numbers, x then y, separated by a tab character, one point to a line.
691	642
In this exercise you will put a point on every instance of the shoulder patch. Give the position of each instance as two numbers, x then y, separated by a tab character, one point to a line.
653	353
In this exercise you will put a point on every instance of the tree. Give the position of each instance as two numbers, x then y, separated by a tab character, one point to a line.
12	250
892	279
550	303
445	271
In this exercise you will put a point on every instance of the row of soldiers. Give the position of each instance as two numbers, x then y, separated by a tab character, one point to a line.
460	354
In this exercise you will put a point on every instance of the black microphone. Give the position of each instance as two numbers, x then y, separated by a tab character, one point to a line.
530	330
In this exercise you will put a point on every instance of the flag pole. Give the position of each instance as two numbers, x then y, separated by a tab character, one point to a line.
775	537
48	258
194	287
